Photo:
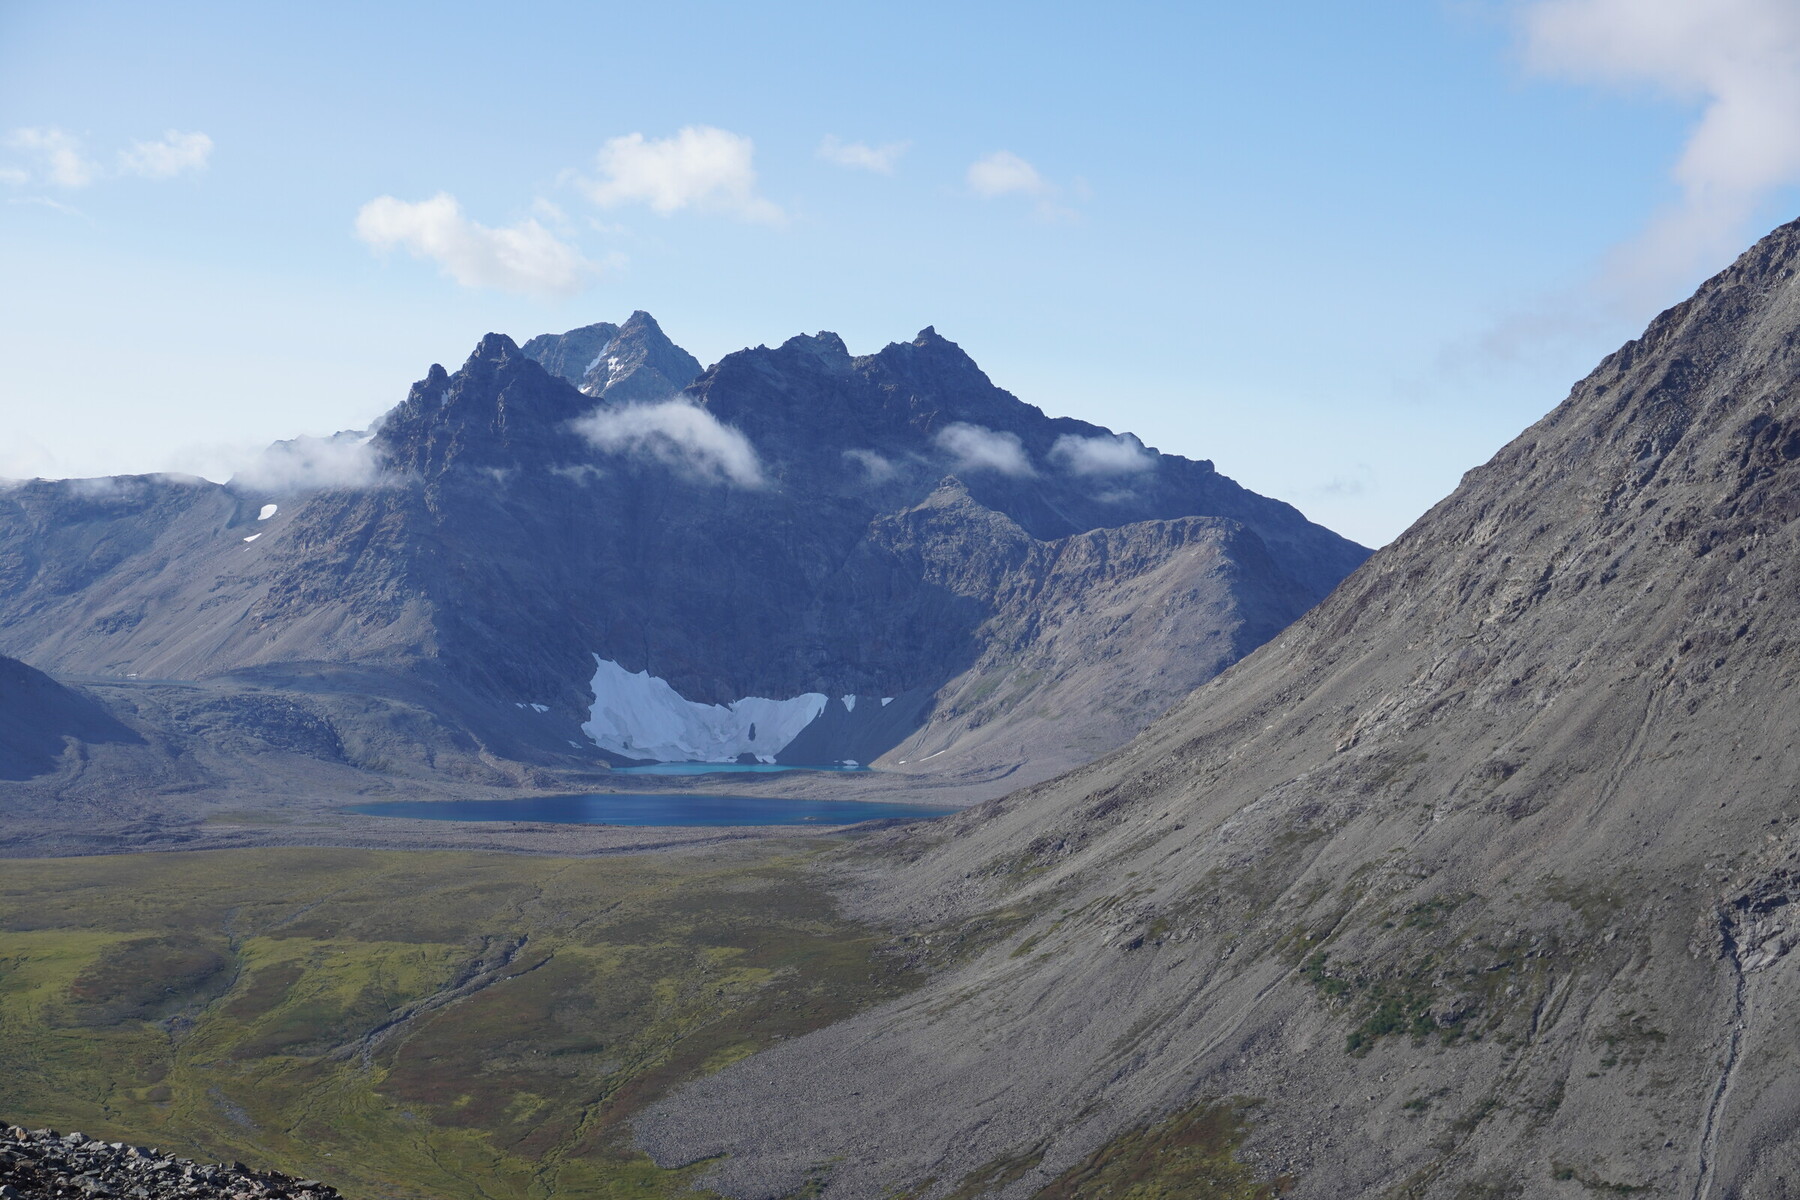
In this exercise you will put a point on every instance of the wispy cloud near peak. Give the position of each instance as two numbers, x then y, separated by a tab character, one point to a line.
680	435
978	448
1118	454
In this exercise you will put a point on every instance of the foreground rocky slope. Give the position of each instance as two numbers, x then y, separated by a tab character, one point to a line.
514	573
1476	880
39	1164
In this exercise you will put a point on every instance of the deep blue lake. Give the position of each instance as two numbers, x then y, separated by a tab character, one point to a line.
665	809
697	768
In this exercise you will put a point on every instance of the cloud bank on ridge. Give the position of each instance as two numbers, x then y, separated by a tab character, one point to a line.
679	434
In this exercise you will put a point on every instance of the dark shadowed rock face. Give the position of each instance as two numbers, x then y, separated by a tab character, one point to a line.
39	718
1023	591
1478	876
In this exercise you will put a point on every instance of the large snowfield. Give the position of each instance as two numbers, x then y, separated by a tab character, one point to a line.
639	715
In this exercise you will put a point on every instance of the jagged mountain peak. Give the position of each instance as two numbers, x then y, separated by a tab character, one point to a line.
500	409
633	362
824	349
494	347
931	340
641	321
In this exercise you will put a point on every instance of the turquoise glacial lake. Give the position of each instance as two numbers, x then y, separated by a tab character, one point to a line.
660	809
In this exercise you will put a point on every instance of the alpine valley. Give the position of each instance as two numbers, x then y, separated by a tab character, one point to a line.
1464	872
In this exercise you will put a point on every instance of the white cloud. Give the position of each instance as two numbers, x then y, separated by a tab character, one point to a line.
164	159
1102	454
679	434
875	466
1004	173
552	214
861	155
304	464
524	258
59	155
978	448
1741	60
702	168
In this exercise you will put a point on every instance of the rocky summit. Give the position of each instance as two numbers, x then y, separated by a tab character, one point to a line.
1475	881
587	552
41	1164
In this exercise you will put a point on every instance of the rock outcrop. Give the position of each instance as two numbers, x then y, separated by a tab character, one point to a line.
41	1164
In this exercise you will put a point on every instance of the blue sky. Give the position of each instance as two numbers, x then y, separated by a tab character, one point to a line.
1345	251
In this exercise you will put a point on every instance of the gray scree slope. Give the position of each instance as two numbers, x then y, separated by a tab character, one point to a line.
1480	876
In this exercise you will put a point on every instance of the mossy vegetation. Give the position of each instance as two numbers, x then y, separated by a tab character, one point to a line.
1563	1172
1190	1155
1430	982
1429	914
1629	1038
408	1024
993	1176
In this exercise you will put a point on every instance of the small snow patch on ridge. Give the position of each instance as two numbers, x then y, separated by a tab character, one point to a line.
849	703
253	537
590	367
268	510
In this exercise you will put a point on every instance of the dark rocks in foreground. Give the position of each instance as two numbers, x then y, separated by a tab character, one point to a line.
38	1163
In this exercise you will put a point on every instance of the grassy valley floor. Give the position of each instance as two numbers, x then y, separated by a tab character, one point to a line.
409	1024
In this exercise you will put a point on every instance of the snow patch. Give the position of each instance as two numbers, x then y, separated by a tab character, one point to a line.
540	708
639	715
849	703
253	537
886	700
268	510
589	370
